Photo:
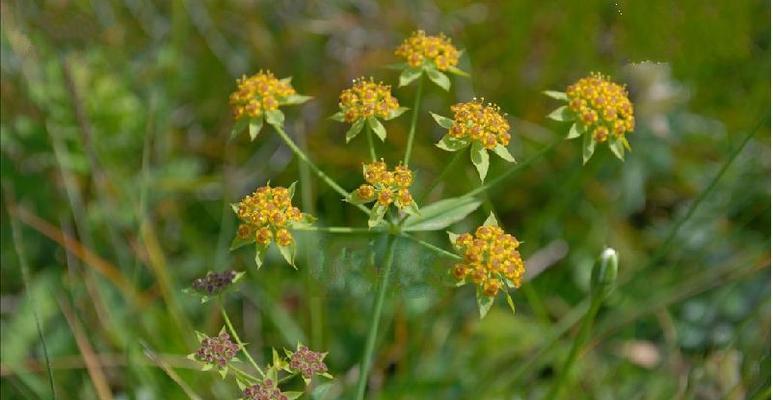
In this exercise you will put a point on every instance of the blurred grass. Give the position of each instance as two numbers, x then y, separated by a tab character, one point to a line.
114	131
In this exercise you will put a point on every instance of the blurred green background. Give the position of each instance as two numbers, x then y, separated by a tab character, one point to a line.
117	170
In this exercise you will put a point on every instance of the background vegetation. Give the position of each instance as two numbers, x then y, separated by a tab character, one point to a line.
117	172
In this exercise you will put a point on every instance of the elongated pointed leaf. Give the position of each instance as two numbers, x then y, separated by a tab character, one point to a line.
561	114
484	302
503	153
377	128
457	71
239	127
256	124
449	143
396	113
479	157
617	148
556	95
441	214
588	147
575	131
510	302
288	252
339	116
376	215
491	220
294	99
260	250
438	78
409	75
445	122
355	129
275	118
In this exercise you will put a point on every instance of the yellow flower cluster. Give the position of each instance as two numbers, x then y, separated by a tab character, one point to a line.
480	122
385	186
257	94
367	98
489	255
267	213
436	49
601	106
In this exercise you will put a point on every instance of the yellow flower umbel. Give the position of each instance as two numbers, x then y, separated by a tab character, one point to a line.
601	112
267	216
385	187
259	97
430	54
490	260
367	102
482	127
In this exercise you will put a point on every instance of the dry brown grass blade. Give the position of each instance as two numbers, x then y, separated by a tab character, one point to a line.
104	267
89	356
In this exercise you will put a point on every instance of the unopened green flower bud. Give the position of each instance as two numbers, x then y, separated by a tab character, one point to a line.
604	273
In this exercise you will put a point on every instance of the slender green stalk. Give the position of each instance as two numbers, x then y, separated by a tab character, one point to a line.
302	155
432	247
414	119
25	274
378	305
579	340
515	168
239	371
371	146
239	341
439	178
337	229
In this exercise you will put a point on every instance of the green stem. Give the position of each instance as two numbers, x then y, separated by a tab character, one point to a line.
515	168
337	229
439	178
432	247
579	340
329	181
414	118
378	305
239	341
238	371
369	134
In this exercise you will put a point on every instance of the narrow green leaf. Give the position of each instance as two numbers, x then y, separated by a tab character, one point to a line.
409	75
288	252
441	214
239	127
275	118
294	99
339	116
396	113
575	131
491	220
484	302
617	148
479	157
238	242
445	122
457	71
510	301
503	153
588	147
256	124
561	114
438	78
355	129
449	143
376	215
259	251
556	95
291	190
452	237
377	128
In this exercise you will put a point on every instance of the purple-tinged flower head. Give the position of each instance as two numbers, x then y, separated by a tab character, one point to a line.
214	283
307	362
217	350
265	390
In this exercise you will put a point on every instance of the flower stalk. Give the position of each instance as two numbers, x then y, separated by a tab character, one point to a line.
239	341
414	119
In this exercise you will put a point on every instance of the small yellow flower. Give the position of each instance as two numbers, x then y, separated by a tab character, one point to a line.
267	215
490	260
420	47
259	93
385	187
602	106
480	122
367	98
